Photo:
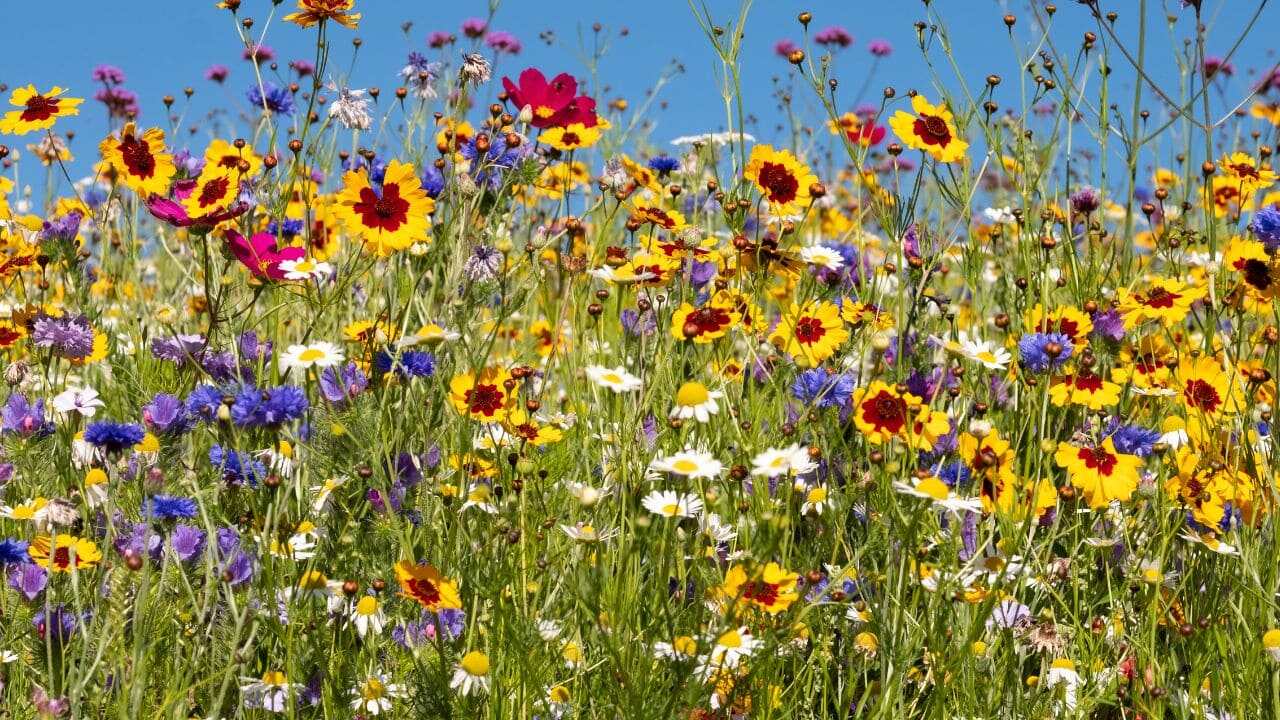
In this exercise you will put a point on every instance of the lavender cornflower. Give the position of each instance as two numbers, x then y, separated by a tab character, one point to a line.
272	98
340	387
29	579
24	418
188	542
166	415
1045	351
69	336
1109	325
62	229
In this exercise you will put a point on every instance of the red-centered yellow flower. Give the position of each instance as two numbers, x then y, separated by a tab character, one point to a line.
1085	388
641	174
425	584
64	553
36	110
1165	300
811	333
704	324
139	160
1246	173
1063	319
881	413
648	213
1231	196
931	129
215	191
1206	390
523	426
781	178
223	154
990	461
771	588
388	220
6	186
485	397
646	268
1102	474
1145	363
311	12
573	137
1258	282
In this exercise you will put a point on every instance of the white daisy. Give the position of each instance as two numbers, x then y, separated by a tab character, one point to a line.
366	615
682	647
615	379
688	463
933	489
375	694
480	496
822	256
305	269
472	674
318	354
695	401
986	353
817	499
669	503
586	532
773	462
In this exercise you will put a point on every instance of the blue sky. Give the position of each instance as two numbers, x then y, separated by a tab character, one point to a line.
164	45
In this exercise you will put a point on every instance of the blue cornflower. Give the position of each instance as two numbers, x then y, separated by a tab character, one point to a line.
169	507
13	551
203	403
1266	227
663	164
235	468
113	436
269	407
1045	351
487	167
274	98
1133	439
826	389
432	181
413	363
290	228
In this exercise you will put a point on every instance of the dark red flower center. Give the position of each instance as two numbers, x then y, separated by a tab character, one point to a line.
1161	299
1088	381
762	592
1097	459
932	130
485	399
213	191
571	138
387	212
1257	274
137	156
62	557
424	591
809	330
708	319
39	108
885	411
779	183
1202	396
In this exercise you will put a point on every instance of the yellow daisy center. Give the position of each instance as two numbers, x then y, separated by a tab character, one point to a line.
692	394
475	663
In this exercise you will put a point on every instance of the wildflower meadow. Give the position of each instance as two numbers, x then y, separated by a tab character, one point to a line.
458	388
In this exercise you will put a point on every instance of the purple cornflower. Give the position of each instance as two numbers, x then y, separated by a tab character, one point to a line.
1086	200
412	363
1109	325
834	35
1045	351
61	229
166	415
339	387
29	579
474	27
69	336
188	542
22	417
217	73
58	624
108	75
178	349
503	42
1009	614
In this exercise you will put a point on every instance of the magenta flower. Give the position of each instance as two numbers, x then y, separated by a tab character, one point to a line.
217	73
834	35
784	47
474	27
880	48
503	42
172	212
260	255
439	39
